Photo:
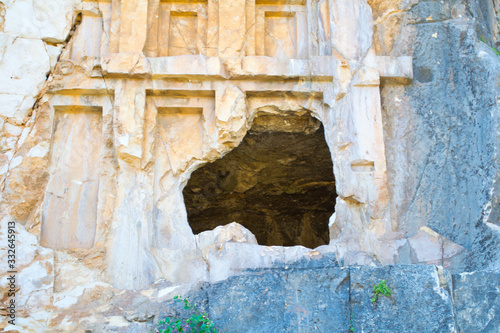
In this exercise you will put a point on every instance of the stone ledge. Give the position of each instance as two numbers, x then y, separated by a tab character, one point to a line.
203	67
323	299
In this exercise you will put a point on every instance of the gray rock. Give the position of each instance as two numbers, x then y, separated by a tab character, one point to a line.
477	301
282	301
326	260
441	143
484	13
317	300
419	302
249	303
323	299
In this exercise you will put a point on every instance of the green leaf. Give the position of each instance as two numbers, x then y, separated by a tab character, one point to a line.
196	323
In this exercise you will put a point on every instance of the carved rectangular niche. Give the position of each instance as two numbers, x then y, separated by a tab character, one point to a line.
280	34
183	33
180	127
177	28
281	29
69	210
87	40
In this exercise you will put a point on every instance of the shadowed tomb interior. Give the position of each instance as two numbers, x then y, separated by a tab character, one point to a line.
278	183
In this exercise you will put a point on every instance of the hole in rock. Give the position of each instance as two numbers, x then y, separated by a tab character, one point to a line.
278	183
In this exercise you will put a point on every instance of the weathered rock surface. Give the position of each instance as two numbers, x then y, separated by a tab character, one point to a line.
275	300
420	299
108	107
477	301
442	156
156	110
335	299
32	35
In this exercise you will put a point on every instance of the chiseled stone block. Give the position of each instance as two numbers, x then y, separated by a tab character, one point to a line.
295	300
420	299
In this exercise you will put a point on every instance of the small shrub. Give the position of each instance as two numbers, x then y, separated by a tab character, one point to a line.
380	288
196	323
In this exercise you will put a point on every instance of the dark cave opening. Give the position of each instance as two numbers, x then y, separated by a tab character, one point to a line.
278	183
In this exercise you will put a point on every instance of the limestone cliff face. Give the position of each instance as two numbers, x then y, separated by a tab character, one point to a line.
442	137
129	126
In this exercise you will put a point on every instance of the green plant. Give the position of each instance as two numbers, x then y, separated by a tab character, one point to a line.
481	38
380	288
196	323
351	327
